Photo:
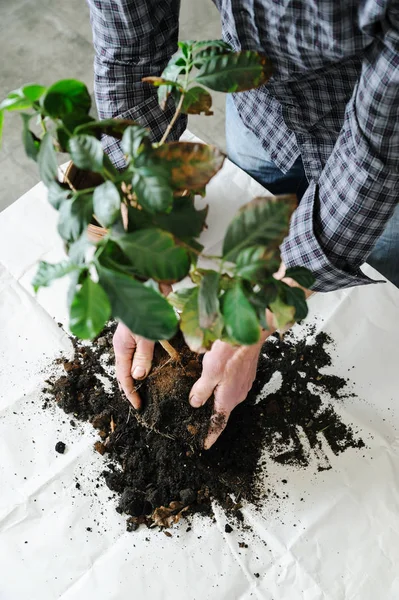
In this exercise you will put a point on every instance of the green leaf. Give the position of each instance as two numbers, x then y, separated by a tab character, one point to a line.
33	91
263	221
176	66
90	310
208	300
250	261
77	251
113	127
294	296
132	139
210	47
235	71
283	314
240	318
184	221
189	323
141	309
56	194
113	258
66	97
262	299
15	101
301	275
47	272
87	153
197	101
152	188
106	203
192	165
154	254
47	160
74	217
30	141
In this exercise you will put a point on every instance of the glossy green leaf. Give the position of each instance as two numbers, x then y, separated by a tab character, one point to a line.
47	160
132	139
33	91
113	127
154	254
113	258
240	318
197	101
66	97
106	203
29	139
184	221
56	194
74	216
262	298
189	323
15	101
142	310
301	275
87	153
192	165
152	188
208	299
263	221
47	272
210	47
90	310
250	262
235	71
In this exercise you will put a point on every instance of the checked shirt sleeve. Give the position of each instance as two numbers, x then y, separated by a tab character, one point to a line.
341	217
133	39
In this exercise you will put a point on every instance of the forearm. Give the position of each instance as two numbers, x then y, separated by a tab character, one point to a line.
133	39
340	219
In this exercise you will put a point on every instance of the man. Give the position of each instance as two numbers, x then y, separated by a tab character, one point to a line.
325	126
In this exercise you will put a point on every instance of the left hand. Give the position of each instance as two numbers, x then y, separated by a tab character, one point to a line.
228	372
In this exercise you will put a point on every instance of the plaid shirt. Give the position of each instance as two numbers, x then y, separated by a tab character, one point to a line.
333	99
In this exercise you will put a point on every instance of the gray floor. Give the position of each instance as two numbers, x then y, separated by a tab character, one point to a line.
45	40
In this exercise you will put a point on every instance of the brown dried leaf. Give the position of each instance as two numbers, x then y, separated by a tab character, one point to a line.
100	448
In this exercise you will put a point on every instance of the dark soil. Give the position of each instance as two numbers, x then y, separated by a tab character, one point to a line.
155	460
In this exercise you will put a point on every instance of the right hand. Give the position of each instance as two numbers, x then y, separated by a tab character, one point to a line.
133	359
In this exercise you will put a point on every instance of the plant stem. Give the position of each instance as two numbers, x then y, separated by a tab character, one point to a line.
174	355
173	121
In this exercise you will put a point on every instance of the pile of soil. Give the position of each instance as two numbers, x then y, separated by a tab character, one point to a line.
155	458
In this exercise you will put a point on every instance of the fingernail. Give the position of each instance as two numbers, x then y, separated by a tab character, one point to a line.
139	373
195	402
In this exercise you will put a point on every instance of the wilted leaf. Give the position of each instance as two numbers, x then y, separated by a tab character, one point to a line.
197	101
283	314
235	71
208	300
263	221
192	165
189	323
240	318
294	296
154	254
179	298
141	309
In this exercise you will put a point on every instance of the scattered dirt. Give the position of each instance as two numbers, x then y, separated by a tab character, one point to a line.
155	461
60	447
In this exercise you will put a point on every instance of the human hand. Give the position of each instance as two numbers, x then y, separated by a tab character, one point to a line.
133	358
228	372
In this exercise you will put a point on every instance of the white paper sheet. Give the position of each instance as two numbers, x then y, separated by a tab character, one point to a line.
340	543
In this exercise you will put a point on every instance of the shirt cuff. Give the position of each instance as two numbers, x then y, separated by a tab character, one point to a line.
302	248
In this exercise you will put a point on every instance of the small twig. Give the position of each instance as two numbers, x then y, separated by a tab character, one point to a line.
67	180
112	424
174	355
173	121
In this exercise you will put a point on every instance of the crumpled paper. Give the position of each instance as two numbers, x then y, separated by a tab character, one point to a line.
59	542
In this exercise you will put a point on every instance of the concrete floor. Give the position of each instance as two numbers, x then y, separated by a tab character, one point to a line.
42	41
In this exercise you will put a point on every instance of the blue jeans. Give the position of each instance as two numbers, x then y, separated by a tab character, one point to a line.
245	150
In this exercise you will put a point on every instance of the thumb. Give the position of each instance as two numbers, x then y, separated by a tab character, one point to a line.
142	358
